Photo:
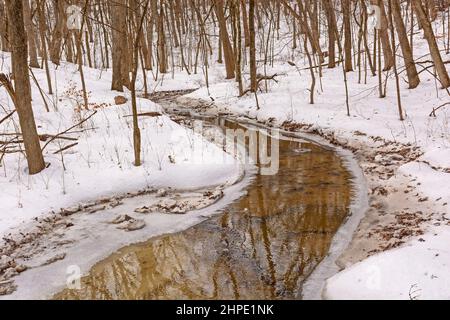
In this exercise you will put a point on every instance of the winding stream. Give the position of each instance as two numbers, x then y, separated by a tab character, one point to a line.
264	246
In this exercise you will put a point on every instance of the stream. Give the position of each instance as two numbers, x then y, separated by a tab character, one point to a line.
263	246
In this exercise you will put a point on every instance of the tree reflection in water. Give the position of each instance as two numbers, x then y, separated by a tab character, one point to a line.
262	247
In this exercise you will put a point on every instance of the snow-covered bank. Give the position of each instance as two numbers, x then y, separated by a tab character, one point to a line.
63	215
75	243
418	270
101	164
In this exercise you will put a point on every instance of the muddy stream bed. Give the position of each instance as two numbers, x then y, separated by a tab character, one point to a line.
263	246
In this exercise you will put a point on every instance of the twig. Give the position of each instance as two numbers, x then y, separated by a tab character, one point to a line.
66	147
65	131
260	79
40	89
433	113
8	116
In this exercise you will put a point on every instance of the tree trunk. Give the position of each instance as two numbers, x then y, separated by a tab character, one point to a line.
227	49
331	20
55	50
22	94
162	51
4	28
32	51
413	77
384	36
42	30
245	23
119	44
434	49
347	35
251	23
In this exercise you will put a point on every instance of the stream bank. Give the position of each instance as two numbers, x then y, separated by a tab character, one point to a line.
397	211
264	246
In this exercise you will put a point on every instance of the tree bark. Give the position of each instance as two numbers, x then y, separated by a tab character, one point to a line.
227	49
251	23
331	20
434	49
347	35
413	77
22	94
32	50
119	44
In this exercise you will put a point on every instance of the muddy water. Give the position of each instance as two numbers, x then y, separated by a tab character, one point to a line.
263	246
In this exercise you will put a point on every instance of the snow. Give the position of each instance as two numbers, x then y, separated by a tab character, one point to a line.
287	100
419	270
97	238
102	162
433	184
439	157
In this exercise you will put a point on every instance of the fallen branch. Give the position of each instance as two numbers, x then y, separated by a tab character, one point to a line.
260	79
45	137
42	137
67	130
317	66
146	114
272	77
428	67
3	142
433	113
66	148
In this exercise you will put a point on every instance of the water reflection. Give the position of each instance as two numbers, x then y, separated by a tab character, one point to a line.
262	247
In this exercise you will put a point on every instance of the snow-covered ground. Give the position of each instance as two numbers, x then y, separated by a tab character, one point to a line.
102	162
50	216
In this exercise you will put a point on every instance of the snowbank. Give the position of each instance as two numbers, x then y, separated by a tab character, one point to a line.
101	164
419	270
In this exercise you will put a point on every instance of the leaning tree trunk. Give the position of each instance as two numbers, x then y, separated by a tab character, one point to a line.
413	77
434	49
227	49
22	91
384	36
